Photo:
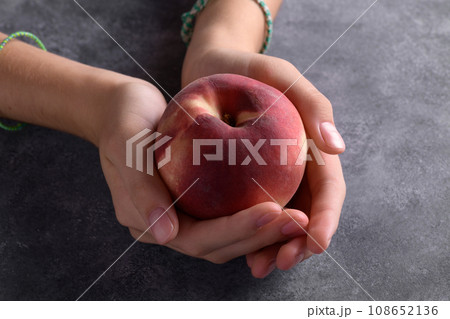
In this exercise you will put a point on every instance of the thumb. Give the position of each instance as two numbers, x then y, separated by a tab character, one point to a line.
154	204
314	108
317	116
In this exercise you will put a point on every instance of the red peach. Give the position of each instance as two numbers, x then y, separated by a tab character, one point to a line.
242	114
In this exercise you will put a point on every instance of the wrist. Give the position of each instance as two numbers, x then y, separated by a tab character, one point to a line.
234	24
98	99
41	88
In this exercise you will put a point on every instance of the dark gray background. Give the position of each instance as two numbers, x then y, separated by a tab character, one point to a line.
388	79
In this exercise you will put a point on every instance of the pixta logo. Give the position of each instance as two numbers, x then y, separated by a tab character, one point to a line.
253	151
142	142
133	143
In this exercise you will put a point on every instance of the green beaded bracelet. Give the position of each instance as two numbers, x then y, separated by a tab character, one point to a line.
19	126
188	22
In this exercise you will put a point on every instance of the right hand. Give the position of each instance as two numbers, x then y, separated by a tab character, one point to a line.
323	187
139	199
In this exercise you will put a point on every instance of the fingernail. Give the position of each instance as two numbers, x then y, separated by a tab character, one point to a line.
329	240
331	136
250	261
292	228
272	266
267	218
299	258
161	226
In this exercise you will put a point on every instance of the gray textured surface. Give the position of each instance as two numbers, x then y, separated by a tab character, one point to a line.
388	79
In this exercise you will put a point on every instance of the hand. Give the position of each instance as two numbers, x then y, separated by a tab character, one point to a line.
322	191
320	195
139	199
314	108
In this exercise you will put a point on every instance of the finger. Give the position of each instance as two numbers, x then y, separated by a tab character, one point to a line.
328	192
250	257
302	197
150	199
291	253
308	254
153	202
314	108
126	212
290	223
142	236
265	261
200	238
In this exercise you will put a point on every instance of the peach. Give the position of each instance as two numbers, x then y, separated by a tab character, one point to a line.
233	134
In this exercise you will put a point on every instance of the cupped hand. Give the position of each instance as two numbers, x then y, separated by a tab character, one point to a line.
322	191
143	204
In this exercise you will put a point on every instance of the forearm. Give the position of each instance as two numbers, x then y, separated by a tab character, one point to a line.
41	88
232	24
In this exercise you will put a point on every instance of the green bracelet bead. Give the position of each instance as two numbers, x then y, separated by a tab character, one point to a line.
188	22
19	126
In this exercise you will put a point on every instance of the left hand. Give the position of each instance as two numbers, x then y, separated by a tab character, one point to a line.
137	196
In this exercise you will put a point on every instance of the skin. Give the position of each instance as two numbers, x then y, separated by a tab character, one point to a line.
107	108
226	39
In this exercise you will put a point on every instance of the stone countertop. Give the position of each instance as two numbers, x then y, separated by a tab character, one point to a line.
388	78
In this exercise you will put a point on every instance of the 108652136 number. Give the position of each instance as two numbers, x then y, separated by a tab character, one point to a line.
403	310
